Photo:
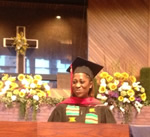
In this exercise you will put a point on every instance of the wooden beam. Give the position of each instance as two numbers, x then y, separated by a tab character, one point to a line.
148	33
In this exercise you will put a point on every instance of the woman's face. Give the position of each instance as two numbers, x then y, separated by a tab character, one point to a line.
81	85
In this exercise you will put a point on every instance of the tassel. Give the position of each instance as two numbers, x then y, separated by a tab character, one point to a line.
71	78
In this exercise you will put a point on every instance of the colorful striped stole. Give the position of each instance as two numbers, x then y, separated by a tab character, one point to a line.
91	118
72	110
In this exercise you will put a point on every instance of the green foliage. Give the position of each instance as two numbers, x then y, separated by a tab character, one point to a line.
34	114
145	81
52	101
22	110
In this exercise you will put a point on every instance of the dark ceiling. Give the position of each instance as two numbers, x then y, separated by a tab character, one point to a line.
74	2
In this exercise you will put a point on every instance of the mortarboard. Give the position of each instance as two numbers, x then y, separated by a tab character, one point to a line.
80	65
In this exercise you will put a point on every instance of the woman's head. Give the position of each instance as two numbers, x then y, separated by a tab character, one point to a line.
81	85
83	72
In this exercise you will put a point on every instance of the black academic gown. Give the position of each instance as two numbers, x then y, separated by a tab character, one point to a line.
83	114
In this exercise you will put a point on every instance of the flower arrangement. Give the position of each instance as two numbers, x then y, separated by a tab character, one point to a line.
27	90
123	91
20	43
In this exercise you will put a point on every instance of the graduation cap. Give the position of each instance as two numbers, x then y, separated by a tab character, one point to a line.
80	65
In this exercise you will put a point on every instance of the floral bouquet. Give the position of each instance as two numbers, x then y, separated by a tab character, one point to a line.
29	91
20	43
121	90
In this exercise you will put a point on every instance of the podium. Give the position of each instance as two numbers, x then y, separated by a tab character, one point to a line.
60	129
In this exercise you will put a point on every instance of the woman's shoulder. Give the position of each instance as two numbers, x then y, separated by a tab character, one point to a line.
61	105
102	107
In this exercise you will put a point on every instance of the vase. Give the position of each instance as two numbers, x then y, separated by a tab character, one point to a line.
127	118
129	115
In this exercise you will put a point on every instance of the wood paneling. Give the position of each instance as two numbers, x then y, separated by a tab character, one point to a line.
59	40
118	34
75	2
62	129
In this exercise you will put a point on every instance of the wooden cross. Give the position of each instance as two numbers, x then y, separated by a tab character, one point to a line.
20	59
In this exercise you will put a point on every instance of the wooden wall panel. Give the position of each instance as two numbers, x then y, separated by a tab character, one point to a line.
60	41
118	34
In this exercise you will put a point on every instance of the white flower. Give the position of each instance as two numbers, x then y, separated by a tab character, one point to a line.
23	90
7	83
125	86
120	89
126	100
138	104
27	90
137	86
116	82
106	103
122	109
32	85
137	108
47	87
36	97
3	91
25	82
106	92
103	82
40	82
101	97
13	97
111	107
6	87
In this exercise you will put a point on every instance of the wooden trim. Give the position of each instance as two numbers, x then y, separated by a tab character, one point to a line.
42	5
20	62
148	34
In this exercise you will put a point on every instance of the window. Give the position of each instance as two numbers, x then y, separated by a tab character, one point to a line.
7	64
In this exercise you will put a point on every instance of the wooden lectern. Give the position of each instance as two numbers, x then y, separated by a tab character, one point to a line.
56	129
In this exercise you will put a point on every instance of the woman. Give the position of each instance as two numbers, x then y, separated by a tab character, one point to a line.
81	106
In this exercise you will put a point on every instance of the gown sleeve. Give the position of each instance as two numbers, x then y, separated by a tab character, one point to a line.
107	115
57	115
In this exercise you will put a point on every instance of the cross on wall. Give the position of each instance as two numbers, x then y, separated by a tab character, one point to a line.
20	59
